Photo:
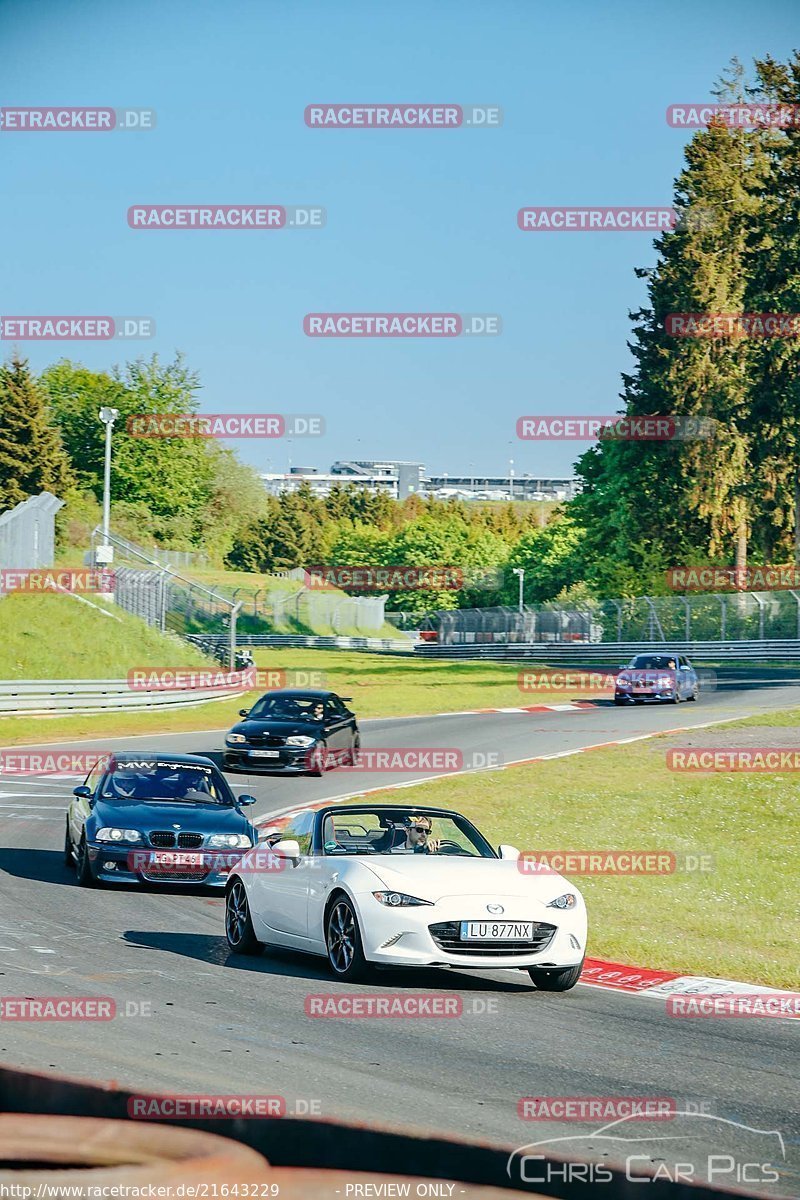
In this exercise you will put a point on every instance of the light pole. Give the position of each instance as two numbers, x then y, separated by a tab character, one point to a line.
520	574
511	479
104	553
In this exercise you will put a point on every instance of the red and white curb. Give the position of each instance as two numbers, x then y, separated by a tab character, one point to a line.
661	985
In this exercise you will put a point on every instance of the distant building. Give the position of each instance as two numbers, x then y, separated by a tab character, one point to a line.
402	479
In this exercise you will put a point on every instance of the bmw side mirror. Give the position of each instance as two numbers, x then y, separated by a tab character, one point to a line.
245	800
244	712
83	791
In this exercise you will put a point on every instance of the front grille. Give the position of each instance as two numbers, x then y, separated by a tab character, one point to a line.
266	739
447	936
162	838
190	841
191	875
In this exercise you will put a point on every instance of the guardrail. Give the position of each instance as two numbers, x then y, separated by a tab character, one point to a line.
100	695
787	650
313	641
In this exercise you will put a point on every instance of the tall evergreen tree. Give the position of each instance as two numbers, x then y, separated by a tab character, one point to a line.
32	458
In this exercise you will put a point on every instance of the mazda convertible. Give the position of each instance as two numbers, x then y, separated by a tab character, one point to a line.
389	885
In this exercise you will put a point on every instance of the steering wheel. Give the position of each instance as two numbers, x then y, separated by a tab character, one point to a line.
446	846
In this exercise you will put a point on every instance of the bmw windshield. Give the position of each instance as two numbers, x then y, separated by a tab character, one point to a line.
179	783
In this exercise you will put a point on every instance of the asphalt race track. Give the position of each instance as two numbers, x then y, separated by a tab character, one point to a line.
201	1021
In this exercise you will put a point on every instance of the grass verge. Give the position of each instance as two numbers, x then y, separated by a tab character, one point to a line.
738	920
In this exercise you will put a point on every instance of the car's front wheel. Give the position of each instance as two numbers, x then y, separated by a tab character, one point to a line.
552	980
84	870
68	856
343	940
239	930
318	761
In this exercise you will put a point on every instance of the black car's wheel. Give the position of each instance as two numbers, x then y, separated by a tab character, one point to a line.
68	856
318	760
355	750
695	693
618	701
84	870
238	922
555	980
343	939
676	699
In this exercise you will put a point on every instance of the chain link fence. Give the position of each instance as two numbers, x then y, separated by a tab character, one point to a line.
738	616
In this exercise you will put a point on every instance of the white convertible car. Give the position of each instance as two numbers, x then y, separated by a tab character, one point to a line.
389	885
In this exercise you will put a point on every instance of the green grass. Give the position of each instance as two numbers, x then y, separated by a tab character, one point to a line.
380	687
58	636
739	921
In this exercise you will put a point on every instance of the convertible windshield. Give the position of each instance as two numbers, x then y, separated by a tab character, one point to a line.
179	782
288	708
401	832
653	662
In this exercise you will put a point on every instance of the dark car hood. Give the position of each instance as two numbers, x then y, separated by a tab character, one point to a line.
313	729
146	815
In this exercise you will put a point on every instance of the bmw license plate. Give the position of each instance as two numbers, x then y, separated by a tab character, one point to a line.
496	931
169	858
264	753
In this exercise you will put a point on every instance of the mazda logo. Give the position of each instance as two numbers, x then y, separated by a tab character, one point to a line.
495	908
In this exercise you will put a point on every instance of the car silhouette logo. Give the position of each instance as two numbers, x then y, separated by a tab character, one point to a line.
495	908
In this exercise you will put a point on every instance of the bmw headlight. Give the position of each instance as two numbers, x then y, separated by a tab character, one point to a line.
399	900
665	681
300	739
623	681
568	900
234	739
230	841
112	834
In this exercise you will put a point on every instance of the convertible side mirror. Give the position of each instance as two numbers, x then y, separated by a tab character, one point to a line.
244	800
83	791
509	852
287	849
244	712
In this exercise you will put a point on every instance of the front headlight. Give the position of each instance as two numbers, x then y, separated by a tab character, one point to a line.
112	834
568	900
233	739
665	681
230	841
300	739
623	681
399	899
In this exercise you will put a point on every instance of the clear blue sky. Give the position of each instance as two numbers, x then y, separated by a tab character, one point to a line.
417	221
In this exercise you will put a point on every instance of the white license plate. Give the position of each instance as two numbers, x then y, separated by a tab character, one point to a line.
496	931
264	753
169	858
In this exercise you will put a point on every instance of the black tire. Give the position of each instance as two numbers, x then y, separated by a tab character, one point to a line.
343	941
355	750
677	697
239	930
619	701
69	861
84	871
695	694
318	760
555	980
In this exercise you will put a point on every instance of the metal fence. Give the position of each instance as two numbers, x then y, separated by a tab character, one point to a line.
27	532
737	616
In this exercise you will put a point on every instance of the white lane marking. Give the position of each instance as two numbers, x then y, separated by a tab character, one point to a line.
49	807
39	781
9	816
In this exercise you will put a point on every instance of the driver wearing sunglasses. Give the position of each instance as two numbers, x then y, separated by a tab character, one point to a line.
418	836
